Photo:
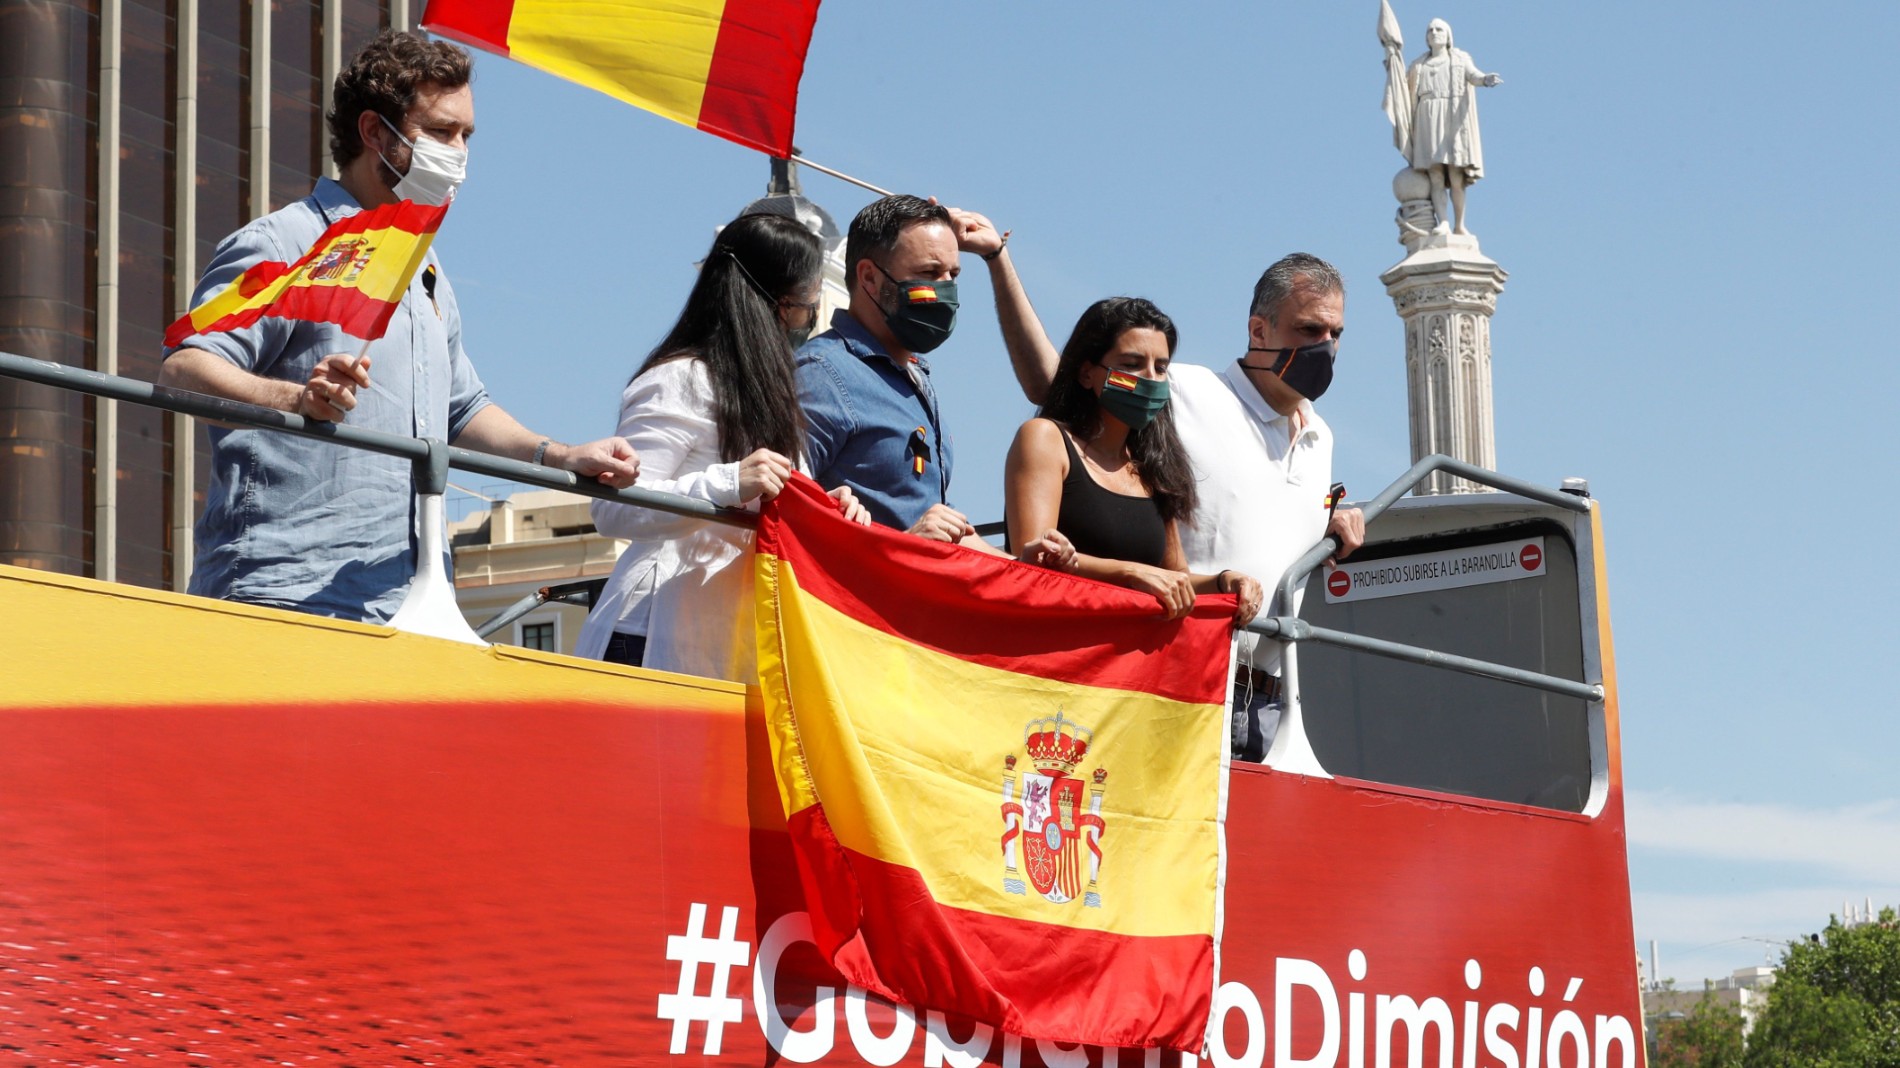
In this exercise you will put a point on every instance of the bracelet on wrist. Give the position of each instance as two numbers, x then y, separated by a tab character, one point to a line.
990	257
541	451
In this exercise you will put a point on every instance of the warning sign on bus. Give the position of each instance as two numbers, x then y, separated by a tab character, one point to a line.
1476	565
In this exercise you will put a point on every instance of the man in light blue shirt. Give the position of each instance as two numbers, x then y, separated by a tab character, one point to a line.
309	525
871	412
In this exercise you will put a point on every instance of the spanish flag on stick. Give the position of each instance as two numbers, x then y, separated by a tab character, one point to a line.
728	67
1004	785
354	276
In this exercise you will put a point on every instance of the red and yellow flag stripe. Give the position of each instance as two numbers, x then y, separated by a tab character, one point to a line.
354	276
918	696
728	67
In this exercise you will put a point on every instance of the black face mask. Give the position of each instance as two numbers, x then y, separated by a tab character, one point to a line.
1307	370
926	312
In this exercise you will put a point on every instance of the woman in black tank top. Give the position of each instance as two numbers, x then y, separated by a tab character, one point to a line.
1098	482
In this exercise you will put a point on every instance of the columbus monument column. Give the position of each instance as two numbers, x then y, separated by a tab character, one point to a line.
1445	288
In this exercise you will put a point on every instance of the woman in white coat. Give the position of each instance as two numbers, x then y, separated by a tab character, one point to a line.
714	415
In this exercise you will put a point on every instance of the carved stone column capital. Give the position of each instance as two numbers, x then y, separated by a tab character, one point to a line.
1446	292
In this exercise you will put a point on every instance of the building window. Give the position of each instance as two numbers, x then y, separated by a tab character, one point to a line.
538	636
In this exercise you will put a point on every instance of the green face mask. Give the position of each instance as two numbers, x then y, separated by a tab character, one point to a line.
1133	399
926	312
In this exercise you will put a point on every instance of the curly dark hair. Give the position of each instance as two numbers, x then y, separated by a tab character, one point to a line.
1156	449
383	78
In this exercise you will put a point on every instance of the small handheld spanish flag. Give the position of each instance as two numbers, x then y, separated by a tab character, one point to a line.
354	276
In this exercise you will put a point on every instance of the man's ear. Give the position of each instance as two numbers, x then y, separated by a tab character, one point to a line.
1258	331
370	130
865	275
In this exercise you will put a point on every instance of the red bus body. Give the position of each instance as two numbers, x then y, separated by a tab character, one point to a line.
233	835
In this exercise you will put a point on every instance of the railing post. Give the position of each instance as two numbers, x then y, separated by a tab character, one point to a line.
429	607
1292	750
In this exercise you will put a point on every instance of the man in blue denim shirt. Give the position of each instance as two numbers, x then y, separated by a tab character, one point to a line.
308	525
871	413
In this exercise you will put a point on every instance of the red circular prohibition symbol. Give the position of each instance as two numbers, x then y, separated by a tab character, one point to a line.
1530	556
1338	584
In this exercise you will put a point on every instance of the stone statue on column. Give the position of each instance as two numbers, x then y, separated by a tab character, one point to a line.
1445	288
1433	108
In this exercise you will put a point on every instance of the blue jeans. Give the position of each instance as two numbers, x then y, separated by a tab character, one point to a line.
628	649
1256	718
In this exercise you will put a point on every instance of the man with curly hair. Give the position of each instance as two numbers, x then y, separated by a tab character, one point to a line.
308	525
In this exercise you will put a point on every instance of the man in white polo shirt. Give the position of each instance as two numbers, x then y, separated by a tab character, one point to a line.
1262	457
1264	460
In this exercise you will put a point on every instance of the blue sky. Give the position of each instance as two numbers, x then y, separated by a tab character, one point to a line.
1696	203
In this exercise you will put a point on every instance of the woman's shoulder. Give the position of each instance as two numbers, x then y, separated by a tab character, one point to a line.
1041	432
1043	441
679	376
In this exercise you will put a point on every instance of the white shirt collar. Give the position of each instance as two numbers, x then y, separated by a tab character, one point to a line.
1257	406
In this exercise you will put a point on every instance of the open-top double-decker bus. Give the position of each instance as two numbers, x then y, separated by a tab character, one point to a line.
234	835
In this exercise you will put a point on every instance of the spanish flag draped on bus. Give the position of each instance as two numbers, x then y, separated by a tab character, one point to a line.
354	276
1004	785
728	67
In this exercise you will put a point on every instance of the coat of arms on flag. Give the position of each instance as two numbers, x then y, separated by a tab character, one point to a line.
1051	822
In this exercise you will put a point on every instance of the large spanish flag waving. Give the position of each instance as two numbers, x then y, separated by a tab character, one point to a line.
728	67
1004	785
354	276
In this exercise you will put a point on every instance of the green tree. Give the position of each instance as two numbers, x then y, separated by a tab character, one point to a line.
1708	1036
1835	1002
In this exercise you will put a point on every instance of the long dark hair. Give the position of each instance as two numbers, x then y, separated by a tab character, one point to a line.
1159	459
731	322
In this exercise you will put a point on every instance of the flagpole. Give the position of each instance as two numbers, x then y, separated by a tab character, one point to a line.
840	175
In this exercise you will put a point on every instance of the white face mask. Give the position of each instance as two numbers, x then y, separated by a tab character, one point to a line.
435	169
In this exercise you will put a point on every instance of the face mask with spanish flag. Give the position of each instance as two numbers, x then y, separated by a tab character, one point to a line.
1133	399
926	312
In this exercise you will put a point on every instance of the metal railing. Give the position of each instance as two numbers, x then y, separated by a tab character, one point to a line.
1294	629
1292	750
427	454
430	607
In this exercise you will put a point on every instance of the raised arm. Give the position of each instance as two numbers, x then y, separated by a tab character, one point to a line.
1031	355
